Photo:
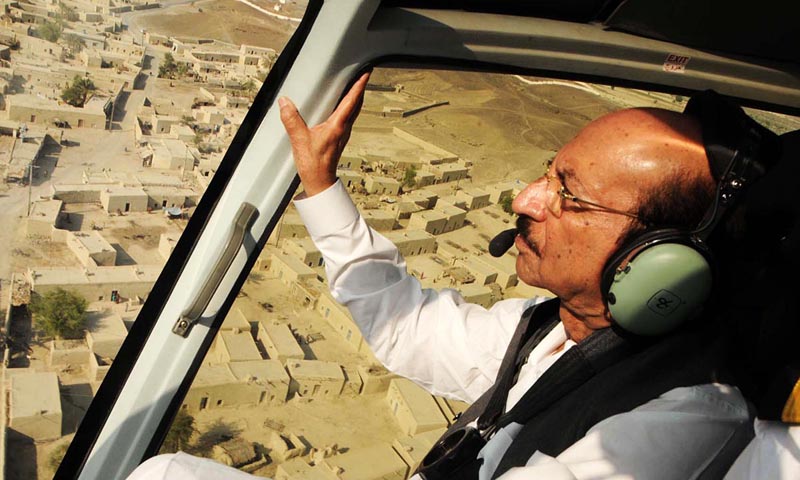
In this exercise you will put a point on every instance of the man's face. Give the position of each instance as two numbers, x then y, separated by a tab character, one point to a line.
565	253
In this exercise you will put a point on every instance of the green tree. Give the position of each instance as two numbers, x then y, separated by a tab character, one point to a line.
74	43
182	69
168	67
180	433
54	460
77	93
249	88
410	177
60	313
505	203
51	31
219	431
68	12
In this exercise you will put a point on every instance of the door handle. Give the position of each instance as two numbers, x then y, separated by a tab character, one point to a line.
245	217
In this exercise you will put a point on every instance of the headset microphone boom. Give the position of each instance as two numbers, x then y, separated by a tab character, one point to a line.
502	242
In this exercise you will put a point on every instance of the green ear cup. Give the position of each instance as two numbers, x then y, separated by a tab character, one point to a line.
661	287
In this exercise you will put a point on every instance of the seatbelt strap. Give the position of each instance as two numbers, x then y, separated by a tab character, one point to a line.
529	322
577	365
541	320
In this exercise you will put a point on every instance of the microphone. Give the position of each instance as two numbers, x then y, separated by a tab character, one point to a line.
502	242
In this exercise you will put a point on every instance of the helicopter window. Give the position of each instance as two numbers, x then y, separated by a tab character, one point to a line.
433	162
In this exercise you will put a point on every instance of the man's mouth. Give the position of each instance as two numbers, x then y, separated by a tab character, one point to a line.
524	224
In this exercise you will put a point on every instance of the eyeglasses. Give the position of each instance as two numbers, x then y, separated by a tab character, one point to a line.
557	193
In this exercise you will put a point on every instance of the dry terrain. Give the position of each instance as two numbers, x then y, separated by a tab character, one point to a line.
226	20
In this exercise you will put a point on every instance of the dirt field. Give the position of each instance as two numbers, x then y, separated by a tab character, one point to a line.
506	128
225	20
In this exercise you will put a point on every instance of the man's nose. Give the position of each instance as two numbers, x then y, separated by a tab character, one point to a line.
532	201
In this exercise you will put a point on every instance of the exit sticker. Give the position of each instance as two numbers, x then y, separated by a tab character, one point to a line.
675	63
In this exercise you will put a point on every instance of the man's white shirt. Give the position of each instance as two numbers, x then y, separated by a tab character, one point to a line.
454	349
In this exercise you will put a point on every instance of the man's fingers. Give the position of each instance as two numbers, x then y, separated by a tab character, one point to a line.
292	120
351	103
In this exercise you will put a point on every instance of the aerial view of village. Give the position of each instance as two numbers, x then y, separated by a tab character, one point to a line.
114	117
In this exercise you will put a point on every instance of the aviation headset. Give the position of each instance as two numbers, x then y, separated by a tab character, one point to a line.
663	276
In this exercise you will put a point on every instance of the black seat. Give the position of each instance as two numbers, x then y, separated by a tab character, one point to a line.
760	291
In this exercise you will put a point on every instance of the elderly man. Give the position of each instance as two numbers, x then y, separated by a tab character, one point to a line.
624	172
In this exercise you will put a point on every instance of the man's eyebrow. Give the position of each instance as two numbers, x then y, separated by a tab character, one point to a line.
568	173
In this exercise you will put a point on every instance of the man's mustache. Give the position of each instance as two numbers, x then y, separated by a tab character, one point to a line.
524	224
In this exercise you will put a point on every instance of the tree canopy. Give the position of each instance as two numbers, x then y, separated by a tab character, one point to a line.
169	68
74	43
50	31
410	177
77	93
505	203
180	433
60	313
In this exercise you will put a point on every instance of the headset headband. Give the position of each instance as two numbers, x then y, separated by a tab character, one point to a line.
739	151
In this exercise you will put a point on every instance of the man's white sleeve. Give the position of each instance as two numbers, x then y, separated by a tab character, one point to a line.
438	340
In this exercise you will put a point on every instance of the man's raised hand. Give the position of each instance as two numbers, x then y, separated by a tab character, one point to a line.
317	149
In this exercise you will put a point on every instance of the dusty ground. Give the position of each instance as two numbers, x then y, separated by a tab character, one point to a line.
508	129
225	20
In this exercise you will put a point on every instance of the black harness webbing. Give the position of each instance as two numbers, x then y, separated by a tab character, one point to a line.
603	375
530	326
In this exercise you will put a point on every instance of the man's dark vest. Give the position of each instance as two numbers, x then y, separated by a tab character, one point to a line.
574	395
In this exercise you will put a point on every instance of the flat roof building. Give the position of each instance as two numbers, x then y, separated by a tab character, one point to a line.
279	341
381	185
304	250
431	221
123	199
171	154
35	405
375	378
454	215
105	332
499	191
236	321
349	178
231	346
384	464
350	162
424	198
166	244
75	193
505	267
339	318
32	109
159	197
478	294
474	198
484	274
413	242
289	269
414	409
97	283
253	382
380	220
424	178
43	218
315	378
449	172
91	249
